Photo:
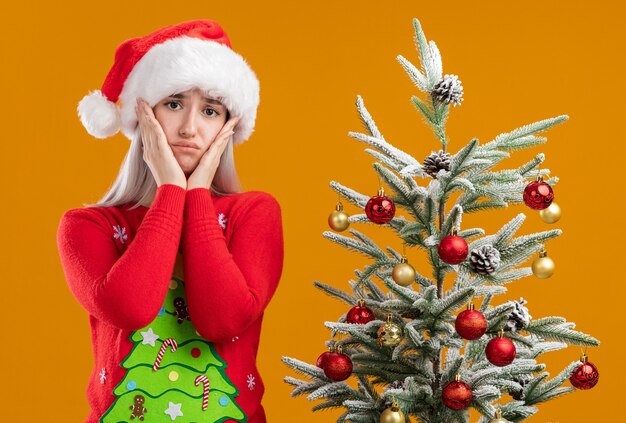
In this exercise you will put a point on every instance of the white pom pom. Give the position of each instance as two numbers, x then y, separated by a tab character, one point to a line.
99	116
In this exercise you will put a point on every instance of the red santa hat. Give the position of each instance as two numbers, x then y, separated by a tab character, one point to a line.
170	60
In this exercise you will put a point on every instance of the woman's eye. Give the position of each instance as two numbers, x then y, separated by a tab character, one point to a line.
169	103
211	112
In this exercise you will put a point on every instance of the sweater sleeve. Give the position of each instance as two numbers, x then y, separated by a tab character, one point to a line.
125	290
229	286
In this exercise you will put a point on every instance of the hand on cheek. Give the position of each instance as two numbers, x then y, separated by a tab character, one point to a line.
203	175
157	153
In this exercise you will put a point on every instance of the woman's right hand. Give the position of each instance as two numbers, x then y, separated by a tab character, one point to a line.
156	151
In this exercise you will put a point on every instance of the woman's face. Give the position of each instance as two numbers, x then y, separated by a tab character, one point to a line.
193	119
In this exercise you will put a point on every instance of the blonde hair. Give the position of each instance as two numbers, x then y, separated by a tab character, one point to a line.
135	182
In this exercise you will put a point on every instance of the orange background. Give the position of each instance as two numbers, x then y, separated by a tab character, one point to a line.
518	64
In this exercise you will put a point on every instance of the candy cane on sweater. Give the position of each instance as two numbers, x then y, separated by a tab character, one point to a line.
168	342
205	395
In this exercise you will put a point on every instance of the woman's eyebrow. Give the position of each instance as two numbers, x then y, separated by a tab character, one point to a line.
206	99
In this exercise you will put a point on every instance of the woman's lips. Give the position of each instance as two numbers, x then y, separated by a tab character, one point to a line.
186	146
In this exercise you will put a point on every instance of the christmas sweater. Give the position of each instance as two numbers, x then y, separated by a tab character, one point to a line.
175	295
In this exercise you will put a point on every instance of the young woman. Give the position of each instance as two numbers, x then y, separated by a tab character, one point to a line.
175	265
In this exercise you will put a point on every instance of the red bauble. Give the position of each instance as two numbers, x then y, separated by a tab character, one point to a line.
470	324
452	249
538	195
380	209
321	360
585	376
337	366
500	351
360	314
456	395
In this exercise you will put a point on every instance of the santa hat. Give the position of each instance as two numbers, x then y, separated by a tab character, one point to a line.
170	60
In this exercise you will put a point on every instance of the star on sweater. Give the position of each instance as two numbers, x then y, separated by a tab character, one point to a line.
103	376
222	219
149	337
251	382
174	410
120	233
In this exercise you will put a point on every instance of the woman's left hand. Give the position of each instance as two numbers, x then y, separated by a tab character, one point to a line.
202	176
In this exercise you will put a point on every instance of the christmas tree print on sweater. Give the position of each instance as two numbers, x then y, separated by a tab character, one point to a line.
173	373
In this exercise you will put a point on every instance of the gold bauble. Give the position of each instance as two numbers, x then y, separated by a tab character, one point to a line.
338	221
543	267
389	334
551	214
499	418
392	414
403	273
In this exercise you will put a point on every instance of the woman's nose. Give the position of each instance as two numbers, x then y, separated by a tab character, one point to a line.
188	125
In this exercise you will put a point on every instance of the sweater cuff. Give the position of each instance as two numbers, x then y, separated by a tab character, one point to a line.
199	204
169	198
200	218
165	214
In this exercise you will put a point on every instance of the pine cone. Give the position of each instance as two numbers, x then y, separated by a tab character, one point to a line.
523	381
519	317
449	90
396	384
435	162
484	260
388	399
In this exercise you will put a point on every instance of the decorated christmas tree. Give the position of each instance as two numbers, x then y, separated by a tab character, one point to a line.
172	372
419	351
